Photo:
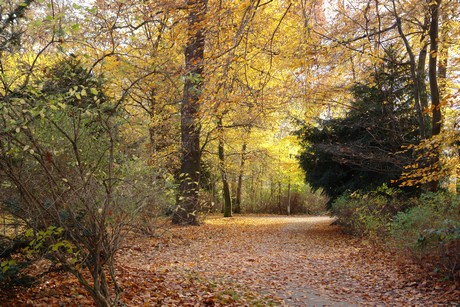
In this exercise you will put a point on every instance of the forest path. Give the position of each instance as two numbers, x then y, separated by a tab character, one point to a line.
289	261
252	261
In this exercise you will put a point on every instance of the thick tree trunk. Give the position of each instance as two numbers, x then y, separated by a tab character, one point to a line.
421	65
240	179
187	200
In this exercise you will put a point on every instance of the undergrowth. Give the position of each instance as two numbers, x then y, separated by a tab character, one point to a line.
427	228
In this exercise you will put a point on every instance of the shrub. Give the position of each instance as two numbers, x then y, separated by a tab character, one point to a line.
66	168
367	214
430	231
428	228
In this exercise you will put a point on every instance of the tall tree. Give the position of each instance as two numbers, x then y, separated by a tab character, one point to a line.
360	151
223	171
433	66
239	188
187	200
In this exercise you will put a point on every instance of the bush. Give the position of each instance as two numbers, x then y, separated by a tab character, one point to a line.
428	227
70	176
368	214
430	232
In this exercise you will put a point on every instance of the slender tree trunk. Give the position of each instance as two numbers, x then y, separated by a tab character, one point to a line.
187	200
273	200
152	129
289	198
421	65
213	193
416	80
253	193
279	198
223	171
434	88
432	69
240	179
421	74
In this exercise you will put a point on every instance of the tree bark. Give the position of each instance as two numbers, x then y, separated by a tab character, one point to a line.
436	119
240	179
421	65
289	198
416	79
432	69
223	171
421	74
279	198
187	200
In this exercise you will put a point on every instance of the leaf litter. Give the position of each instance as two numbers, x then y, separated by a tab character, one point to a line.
253	261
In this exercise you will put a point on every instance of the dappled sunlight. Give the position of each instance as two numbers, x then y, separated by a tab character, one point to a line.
265	220
124	123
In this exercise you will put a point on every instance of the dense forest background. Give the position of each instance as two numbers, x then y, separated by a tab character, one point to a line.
115	113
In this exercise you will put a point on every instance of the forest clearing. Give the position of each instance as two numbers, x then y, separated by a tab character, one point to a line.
253	261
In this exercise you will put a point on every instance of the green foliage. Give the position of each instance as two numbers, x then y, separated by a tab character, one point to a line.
9	271
428	227
431	229
62	134
360	151
7	265
49	240
69	82
368	214
11	268
11	14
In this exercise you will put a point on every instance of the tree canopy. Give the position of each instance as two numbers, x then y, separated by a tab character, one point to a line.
115	112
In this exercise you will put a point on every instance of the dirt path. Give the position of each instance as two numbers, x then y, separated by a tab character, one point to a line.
254	261
292	261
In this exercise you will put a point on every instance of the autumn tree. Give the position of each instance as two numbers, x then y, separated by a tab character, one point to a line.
408	26
243	92
65	128
187	201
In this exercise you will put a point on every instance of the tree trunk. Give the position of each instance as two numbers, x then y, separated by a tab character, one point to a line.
187	200
432	69
152	129
434	87
421	65
253	193
416	86
421	74
289	198
240	179
223	171
279	198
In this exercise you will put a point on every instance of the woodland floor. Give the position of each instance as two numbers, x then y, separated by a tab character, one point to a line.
254	261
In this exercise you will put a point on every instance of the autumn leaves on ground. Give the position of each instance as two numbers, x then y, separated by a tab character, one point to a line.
252	261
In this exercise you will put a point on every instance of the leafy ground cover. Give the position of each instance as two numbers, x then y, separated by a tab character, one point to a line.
252	261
